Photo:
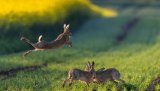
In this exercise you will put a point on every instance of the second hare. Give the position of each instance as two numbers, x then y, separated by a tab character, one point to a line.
103	75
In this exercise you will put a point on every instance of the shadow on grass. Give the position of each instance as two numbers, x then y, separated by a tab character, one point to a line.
12	72
121	87
126	29
130	87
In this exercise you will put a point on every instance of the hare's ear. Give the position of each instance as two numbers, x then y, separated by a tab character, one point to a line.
93	63
67	26
65	29
89	65
64	26
86	67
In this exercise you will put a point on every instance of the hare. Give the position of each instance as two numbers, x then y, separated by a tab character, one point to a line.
61	40
82	75
110	74
102	75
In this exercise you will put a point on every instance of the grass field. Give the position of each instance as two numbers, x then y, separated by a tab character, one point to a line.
136	57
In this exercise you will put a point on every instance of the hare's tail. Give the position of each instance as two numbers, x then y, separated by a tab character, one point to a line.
40	38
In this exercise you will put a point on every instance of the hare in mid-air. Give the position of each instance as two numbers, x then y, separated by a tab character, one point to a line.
61	40
103	75
82	75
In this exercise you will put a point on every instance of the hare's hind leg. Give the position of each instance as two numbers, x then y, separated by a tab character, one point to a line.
71	81
27	41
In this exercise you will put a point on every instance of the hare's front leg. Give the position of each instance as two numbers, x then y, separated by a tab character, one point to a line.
65	81
70	82
69	43
28	52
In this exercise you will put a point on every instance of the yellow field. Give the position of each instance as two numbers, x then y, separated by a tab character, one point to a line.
17	6
29	6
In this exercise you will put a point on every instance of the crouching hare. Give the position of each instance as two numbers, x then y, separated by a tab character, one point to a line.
61	40
81	75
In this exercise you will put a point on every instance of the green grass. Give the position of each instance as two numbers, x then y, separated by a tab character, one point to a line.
137	57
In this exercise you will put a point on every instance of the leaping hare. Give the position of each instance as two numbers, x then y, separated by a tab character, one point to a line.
61	40
82	75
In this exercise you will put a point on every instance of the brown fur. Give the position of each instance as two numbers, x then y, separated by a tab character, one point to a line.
103	75
81	75
110	74
61	40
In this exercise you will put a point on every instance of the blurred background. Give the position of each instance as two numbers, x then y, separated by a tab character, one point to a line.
46	17
122	34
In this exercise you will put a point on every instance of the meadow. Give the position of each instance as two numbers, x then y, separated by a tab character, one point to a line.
136	57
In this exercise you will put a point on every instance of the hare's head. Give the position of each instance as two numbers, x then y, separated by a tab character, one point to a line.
90	68
66	30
